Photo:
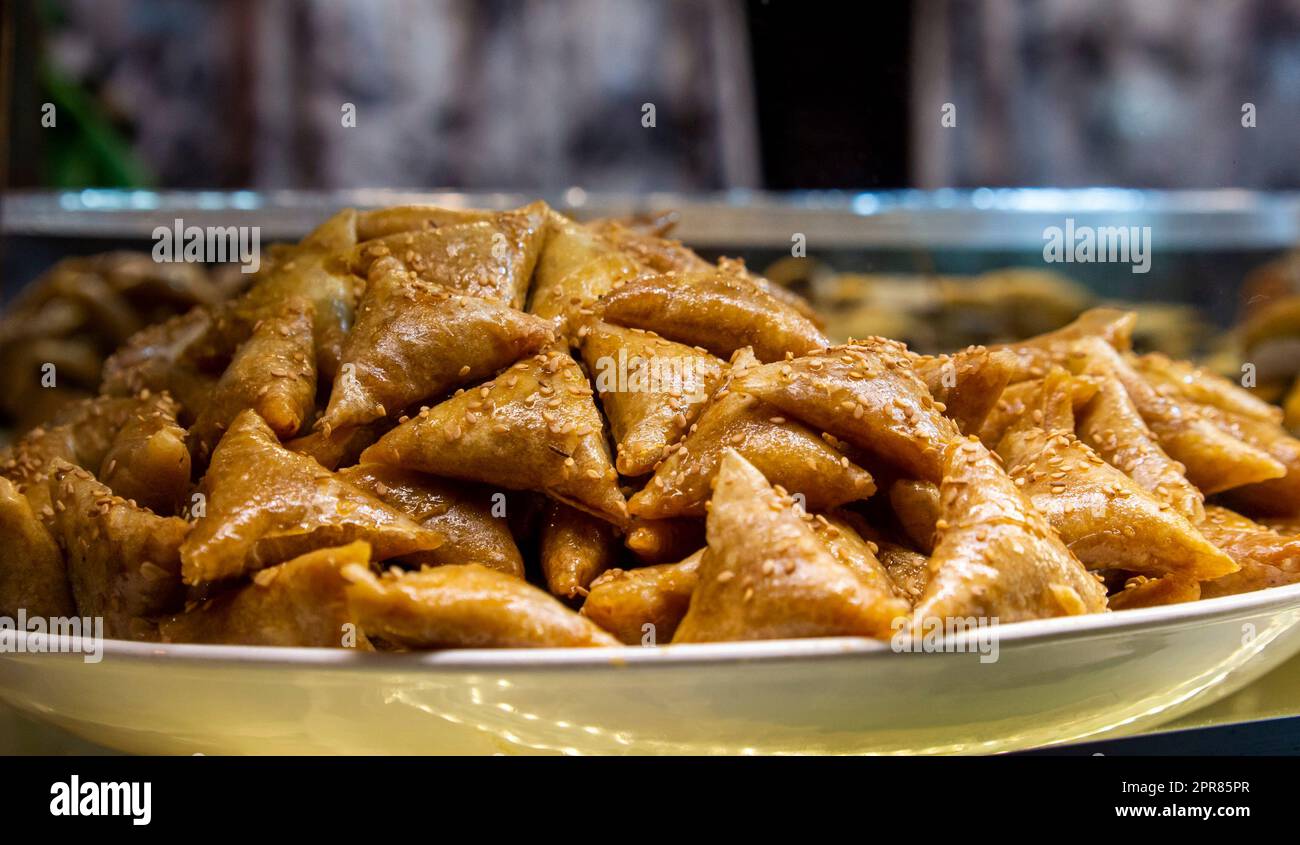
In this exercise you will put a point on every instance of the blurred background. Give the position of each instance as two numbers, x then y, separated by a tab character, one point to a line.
544	94
703	98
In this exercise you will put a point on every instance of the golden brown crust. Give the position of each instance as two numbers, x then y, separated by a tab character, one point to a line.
266	505
716	310
766	575
416	340
470	518
301	602
996	557
787	452
651	389
467	606
534	427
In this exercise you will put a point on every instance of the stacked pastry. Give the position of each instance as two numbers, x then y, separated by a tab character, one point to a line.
430	428
55	335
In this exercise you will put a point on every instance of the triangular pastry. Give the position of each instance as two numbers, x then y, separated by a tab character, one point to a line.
148	461
867	394
533	427
576	268
316	269
154	359
299	603
996	557
273	372
1267	557
652	390
1111	425
461	513
716	310
467	606
415	340
575	547
493	259
967	383
1018	399
266	504
1105	518
1199	385
643	606
785	451
1215	460
123	561
766	575
842	540
32	574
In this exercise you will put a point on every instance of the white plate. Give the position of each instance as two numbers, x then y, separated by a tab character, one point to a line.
1057	680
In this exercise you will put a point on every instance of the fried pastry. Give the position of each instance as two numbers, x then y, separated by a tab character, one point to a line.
534	427
415	340
575	269
1243	539
909	570
1105	518
1215	460
81	434
273	373
380	222
266	504
995	555
663	540
1279	496
787	452
123	561
841	539
916	506
660	254
338	447
461	513
1203	387
154	359
467	606
32	574
643	606
1026	396
652	390
967	383
1141	591
1111	425
148	461
316	269
492	259
302	602
865	393
718	311
575	548
766	575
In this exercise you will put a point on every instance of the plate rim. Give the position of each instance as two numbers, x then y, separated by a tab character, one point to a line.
1027	633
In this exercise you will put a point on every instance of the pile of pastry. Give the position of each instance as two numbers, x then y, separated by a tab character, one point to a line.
432	428
55	335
